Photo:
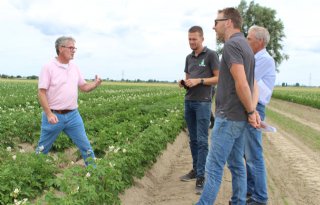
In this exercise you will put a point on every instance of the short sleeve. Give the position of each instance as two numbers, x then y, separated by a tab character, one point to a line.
232	54
214	61
81	80
186	65
44	78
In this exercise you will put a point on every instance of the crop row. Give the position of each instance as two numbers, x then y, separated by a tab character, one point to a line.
301	95
128	125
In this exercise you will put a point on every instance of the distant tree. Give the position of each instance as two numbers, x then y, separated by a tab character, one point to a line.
284	84
254	14
297	85
33	77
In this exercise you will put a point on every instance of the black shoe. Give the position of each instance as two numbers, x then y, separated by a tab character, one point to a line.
250	201
199	185
189	177
211	121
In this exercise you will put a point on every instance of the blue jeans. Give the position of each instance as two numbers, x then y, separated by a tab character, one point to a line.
197	116
72	125
256	171
227	145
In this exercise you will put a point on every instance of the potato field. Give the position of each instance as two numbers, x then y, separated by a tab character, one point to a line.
128	125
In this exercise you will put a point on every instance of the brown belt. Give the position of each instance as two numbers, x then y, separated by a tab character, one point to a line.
61	111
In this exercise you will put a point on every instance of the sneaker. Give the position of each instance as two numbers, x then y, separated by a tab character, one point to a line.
189	177
199	185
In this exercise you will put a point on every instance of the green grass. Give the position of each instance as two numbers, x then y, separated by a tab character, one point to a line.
306	134
285	202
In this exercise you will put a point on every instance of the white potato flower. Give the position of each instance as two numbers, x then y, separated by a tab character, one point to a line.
16	191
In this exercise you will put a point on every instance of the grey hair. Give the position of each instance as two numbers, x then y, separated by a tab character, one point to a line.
61	42
261	33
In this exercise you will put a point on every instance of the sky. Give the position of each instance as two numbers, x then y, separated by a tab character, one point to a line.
142	39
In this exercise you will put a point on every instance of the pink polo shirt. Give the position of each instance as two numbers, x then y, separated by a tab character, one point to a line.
61	84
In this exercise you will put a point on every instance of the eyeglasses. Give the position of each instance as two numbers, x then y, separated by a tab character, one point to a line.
71	48
217	20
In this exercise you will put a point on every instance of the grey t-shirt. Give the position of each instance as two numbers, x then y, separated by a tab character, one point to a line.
235	51
201	66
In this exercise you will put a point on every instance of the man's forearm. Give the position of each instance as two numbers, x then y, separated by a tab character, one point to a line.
255	94
211	81
43	101
88	87
244	94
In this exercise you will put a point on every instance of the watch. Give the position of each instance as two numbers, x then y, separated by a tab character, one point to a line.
250	113
202	81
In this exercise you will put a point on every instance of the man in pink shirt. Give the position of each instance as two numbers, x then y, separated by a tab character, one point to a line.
59	82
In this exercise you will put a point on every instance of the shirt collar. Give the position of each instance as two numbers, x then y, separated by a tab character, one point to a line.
204	50
60	65
237	34
260	53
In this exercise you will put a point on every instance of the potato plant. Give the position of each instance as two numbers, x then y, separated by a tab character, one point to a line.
301	95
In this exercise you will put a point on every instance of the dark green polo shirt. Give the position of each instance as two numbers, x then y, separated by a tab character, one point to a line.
201	66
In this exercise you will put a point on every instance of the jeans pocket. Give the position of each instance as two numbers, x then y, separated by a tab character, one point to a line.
46	126
237	128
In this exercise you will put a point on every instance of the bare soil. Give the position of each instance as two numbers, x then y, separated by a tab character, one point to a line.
293	169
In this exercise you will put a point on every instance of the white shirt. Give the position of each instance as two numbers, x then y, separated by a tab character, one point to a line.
265	75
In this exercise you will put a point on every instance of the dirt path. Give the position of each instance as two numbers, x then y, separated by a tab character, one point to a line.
303	114
293	170
161	184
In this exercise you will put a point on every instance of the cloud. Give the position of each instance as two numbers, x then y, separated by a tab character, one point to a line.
123	31
316	48
144	39
53	17
306	44
53	28
21	4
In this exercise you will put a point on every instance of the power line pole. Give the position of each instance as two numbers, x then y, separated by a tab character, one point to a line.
310	84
